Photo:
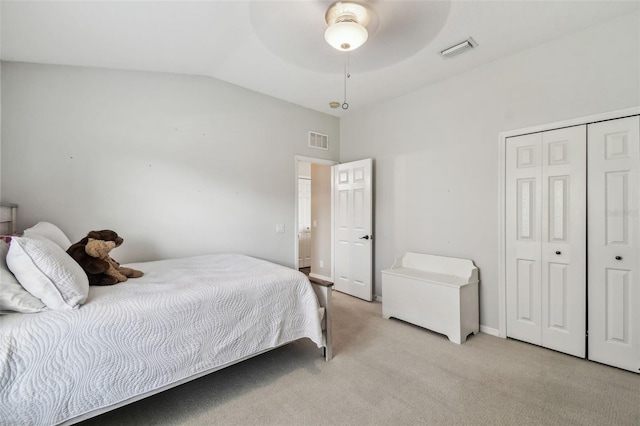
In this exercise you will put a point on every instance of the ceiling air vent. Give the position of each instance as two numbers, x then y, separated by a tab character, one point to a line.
459	48
318	140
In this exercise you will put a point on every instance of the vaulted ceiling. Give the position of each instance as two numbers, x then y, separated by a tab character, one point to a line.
277	47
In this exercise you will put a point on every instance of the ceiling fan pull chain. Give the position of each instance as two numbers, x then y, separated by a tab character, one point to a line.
347	75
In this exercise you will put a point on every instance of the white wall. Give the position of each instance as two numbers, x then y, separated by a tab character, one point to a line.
178	165
0	108
436	149
0	129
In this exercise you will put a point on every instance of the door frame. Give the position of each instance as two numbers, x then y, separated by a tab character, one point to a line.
502	140
312	160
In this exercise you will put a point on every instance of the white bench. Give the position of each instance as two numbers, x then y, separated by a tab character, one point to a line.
435	292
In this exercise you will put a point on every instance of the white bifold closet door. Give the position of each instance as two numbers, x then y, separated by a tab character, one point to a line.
614	243
546	239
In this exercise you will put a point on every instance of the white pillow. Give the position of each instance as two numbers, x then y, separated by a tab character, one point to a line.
14	298
48	272
50	231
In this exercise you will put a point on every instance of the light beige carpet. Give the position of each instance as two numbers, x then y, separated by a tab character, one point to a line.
387	372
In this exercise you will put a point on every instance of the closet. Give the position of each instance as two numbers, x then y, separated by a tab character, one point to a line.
572	240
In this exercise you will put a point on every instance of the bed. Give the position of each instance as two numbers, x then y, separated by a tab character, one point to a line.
183	319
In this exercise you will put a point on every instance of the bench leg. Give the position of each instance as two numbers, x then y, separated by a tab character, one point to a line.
457	341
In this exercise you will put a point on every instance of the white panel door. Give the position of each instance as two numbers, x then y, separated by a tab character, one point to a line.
304	223
564	240
523	234
614	243
546	242
353	229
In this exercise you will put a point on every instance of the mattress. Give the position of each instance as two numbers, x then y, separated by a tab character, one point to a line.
183	317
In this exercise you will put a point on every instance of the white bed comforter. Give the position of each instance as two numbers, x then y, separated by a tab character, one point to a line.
184	317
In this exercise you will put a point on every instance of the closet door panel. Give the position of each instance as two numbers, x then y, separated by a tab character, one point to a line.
546	242
563	257
614	242
523	234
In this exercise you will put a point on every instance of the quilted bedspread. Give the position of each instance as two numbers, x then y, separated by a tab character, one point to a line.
183	317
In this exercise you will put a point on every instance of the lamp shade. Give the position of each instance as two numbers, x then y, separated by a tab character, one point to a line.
346	35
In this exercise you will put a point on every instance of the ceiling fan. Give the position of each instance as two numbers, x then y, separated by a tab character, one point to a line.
361	36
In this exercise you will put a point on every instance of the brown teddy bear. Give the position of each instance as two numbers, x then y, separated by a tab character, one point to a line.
92	254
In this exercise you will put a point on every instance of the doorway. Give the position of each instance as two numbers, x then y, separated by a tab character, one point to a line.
314	217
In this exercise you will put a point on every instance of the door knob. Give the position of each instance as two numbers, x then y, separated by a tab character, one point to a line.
618	257
366	237
558	253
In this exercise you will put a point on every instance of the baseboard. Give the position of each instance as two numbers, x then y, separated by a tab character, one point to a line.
377	298
488	330
320	277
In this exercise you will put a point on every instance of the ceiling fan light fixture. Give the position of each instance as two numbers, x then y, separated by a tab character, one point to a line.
346	35
346	29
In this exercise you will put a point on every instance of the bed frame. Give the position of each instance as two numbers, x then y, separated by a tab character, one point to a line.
323	290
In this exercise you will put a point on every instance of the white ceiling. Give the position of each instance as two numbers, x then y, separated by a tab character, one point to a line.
277	47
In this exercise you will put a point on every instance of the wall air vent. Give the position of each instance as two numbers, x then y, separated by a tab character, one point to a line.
318	140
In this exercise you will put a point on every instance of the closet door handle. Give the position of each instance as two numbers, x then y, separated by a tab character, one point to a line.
558	253
618	257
